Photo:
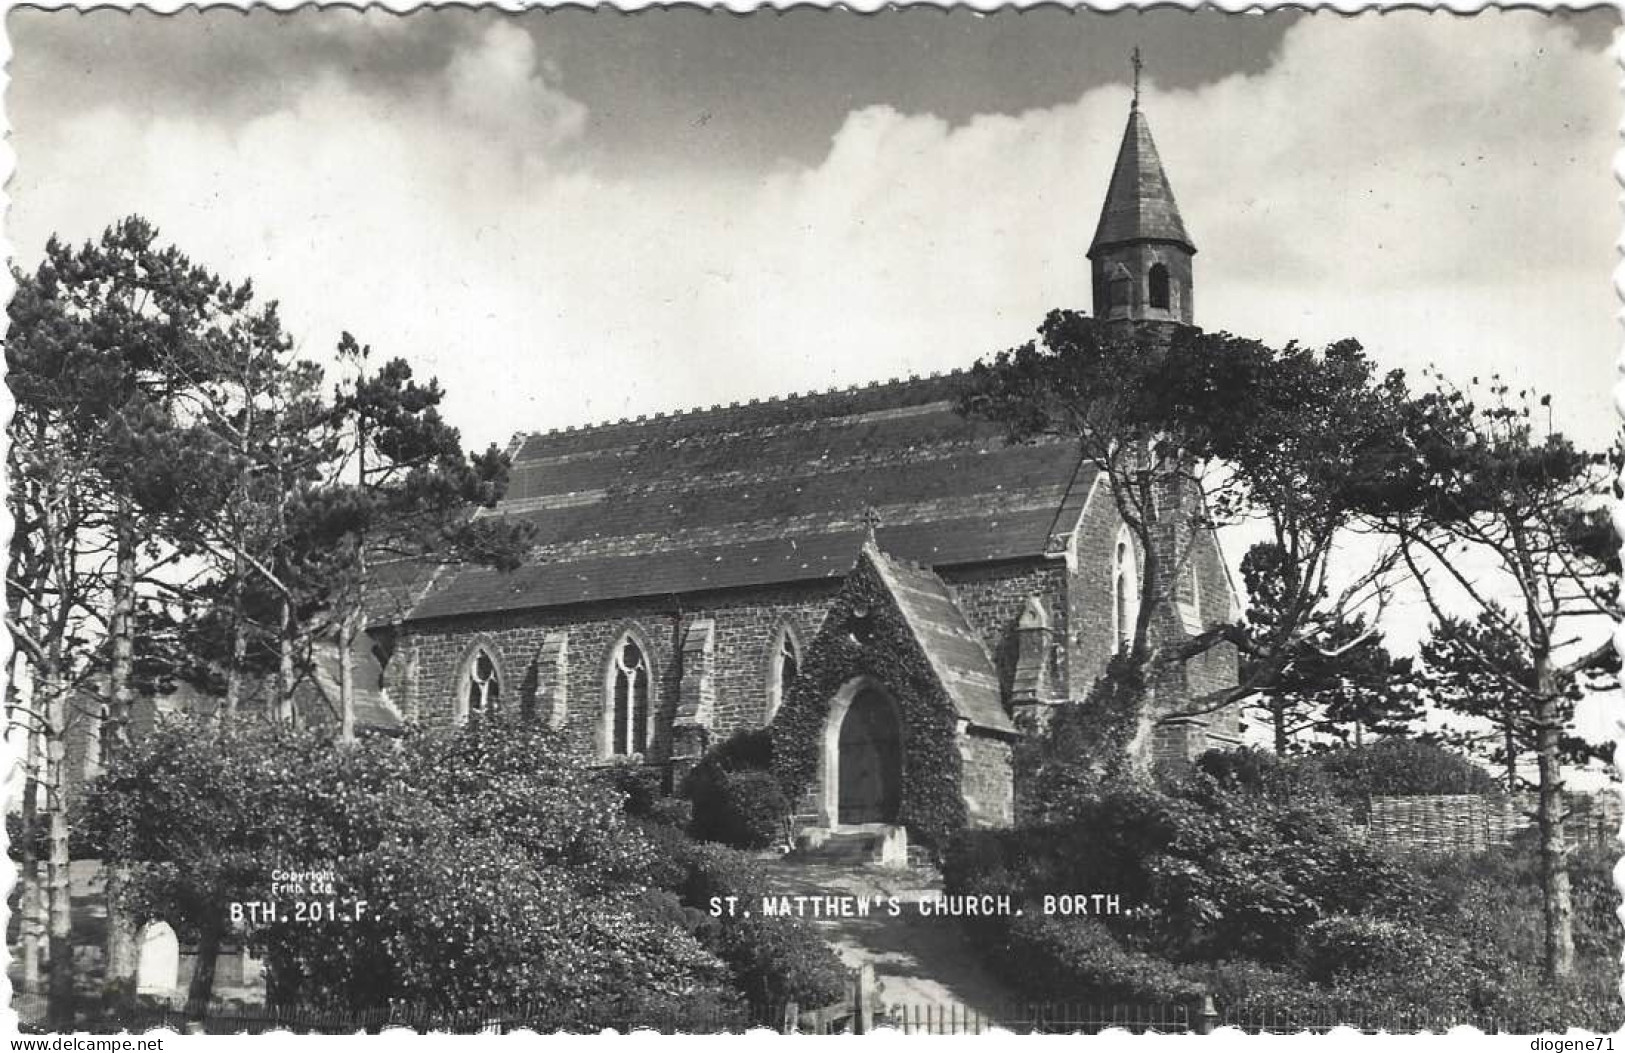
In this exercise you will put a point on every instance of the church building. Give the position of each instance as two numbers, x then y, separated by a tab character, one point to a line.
885	583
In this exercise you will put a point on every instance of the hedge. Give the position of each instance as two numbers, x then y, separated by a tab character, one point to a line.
772	960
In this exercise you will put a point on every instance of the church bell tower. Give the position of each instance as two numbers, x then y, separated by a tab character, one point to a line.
1141	256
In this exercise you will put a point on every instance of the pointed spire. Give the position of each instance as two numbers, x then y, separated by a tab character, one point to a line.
1135	61
1139	203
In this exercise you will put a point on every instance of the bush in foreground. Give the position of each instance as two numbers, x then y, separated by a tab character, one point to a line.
1207	872
773	960
1251	883
736	800
493	867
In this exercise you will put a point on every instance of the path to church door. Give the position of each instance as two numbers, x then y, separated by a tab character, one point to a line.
871	761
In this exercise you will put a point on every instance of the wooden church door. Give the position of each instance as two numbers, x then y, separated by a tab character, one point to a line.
870	761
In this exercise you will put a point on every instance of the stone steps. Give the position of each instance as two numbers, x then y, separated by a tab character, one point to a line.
846	848
882	844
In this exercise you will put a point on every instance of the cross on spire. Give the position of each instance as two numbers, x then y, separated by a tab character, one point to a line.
1137	64
871	520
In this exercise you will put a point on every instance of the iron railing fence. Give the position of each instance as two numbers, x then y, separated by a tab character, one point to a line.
542	1018
934	1018
1371	1020
1035	1019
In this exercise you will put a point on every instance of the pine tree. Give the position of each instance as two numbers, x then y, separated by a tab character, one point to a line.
1496	486
1189	431
1340	682
403	489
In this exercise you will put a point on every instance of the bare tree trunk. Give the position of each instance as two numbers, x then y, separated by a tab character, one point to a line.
239	642
30	924
1556	901
234	671
1142	745
1511	741
59	929
349	627
1278	719
201	989
347	636
284	662
120	944
121	636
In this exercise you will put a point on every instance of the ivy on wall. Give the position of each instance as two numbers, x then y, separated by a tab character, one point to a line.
865	634
1082	747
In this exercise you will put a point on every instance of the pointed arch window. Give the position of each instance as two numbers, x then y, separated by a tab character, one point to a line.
1120	288
1157	287
1125	592
1190	596
784	664
479	689
628	699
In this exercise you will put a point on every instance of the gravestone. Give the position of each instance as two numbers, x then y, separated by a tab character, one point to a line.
158	960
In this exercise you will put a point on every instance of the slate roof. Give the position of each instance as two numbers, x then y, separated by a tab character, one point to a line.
769	492
394	587
373	708
953	648
1139	203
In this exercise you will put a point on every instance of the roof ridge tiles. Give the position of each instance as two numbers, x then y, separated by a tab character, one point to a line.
793	397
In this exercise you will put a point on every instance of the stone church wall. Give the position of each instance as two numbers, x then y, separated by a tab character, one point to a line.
1091	642
987	779
747	625
993	598
1216	668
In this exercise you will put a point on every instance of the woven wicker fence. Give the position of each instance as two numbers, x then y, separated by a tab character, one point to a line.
1471	822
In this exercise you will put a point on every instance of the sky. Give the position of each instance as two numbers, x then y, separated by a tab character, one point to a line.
573	216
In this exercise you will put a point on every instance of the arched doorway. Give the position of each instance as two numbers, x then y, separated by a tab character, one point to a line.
869	760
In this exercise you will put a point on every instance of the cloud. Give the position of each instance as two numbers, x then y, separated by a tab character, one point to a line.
498	86
1437	186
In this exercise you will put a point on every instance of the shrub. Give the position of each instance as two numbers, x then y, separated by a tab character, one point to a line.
674	812
1255	770
747	750
981	861
1597	932
1082	747
779	960
642	786
1399	767
1073	958
734	799
1468	893
1531	1004
772	960
1395	767
1243	983
458	923
1211	872
1343	944
670	848
712	870
745	809
491	862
